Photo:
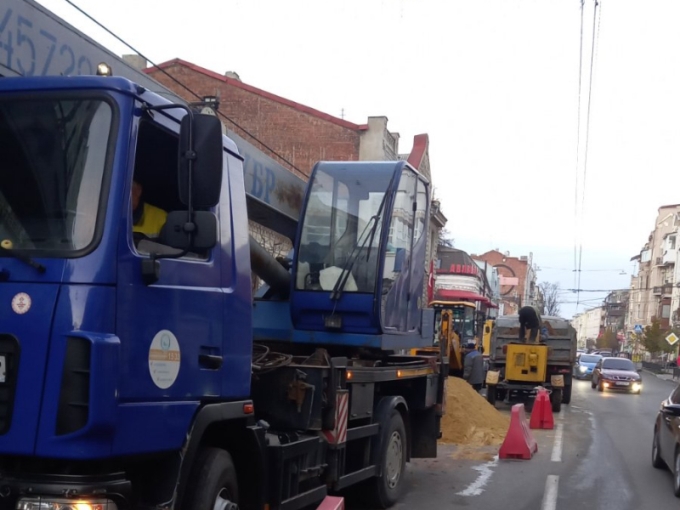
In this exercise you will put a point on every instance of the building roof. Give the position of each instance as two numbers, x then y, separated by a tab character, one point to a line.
254	90
454	256
524	260
420	143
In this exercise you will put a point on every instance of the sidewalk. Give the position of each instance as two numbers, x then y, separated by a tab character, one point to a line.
664	376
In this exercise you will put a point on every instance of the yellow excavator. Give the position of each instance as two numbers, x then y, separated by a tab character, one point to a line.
455	325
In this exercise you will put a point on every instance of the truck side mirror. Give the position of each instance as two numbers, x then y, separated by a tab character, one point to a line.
200	148
180	233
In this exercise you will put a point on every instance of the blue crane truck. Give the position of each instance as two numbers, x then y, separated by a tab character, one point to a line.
140	371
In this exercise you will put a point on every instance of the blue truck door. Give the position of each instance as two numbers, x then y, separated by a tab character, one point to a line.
171	331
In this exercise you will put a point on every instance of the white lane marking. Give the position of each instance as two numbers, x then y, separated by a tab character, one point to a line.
557	445
485	472
550	495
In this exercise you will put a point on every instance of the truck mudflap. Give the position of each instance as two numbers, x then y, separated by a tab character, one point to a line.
332	503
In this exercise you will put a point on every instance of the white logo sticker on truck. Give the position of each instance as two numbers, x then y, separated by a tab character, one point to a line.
21	303
164	359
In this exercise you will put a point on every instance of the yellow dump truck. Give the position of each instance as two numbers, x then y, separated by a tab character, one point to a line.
518	368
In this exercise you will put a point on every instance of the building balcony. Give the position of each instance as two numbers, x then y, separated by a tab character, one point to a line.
668	257
656	291
667	289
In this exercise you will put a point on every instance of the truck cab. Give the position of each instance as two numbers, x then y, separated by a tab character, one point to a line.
112	341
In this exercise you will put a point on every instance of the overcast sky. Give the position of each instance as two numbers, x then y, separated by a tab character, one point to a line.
495	85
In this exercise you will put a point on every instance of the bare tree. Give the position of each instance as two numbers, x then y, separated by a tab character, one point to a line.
550	291
445	238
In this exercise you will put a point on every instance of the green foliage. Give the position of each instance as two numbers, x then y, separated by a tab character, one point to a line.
607	340
654	339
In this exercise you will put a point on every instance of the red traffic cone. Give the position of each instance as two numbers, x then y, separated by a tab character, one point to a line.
541	414
519	443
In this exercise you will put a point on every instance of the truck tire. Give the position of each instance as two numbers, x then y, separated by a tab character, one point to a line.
387	488
212	483
556	401
491	395
566	394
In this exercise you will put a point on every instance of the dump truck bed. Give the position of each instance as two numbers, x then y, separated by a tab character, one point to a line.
561	339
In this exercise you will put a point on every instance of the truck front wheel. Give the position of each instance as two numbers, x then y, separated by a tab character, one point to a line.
213	482
388	487
566	394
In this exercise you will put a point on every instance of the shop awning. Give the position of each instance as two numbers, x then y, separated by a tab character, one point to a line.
464	295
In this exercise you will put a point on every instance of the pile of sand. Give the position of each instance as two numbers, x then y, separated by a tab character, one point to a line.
470	420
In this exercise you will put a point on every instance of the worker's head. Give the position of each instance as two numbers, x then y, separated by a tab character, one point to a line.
470	346
136	194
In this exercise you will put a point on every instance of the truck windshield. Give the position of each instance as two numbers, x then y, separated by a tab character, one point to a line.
54	157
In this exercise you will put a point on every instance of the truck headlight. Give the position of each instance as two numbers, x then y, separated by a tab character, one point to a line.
581	368
50	503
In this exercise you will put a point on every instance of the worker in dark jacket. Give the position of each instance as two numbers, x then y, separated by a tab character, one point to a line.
473	366
529	318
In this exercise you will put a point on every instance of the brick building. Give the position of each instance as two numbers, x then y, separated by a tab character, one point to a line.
517	280
294	134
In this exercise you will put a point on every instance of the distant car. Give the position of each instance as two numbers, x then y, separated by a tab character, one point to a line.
583	369
616	374
666	446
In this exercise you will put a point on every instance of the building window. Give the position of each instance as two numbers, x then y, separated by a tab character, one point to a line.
665	311
671	243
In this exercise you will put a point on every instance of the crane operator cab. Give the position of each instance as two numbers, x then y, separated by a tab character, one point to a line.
360	254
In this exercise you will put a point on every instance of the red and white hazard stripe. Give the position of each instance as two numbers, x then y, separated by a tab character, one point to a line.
339	433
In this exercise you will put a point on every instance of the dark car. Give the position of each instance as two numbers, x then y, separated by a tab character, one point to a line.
666	446
616	374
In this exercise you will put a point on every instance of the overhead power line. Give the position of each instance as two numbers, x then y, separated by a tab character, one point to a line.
178	82
595	35
578	146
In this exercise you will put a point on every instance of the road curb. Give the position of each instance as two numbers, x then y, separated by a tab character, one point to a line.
667	377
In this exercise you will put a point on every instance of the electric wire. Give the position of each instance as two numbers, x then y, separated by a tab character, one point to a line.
578	145
178	82
595	35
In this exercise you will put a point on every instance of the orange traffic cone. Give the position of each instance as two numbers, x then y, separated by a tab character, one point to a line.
541	414
519	443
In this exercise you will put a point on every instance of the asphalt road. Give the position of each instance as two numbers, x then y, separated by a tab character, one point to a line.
598	456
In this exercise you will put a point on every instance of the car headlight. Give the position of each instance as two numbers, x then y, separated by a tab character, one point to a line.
50	503
637	386
581	368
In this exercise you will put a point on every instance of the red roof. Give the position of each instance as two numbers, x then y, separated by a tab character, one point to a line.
262	93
